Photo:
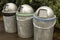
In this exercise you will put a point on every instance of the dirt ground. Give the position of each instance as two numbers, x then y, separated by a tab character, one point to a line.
7	36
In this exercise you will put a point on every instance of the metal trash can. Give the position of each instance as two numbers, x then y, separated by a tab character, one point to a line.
44	21
24	21
9	16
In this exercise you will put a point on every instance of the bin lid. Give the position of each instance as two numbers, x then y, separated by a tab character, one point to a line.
9	8
44	12
25	9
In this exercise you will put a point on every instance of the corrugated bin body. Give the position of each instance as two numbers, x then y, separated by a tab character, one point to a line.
44	21
9	16
24	21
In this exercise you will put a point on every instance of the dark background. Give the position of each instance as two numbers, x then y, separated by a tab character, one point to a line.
54	4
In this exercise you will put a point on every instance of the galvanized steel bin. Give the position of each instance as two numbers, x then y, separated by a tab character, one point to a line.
24	21
44	21
9	17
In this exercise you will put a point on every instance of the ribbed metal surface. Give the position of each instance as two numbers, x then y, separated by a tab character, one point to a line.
24	21
44	21
9	12
10	24
25	27
43	30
